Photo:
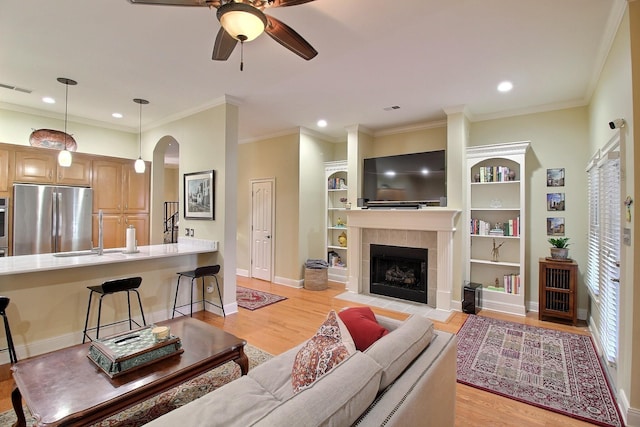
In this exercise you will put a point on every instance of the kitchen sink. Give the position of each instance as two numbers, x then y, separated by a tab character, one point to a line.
85	252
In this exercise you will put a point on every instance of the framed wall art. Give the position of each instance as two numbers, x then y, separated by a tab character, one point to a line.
555	201
555	226
555	177
199	195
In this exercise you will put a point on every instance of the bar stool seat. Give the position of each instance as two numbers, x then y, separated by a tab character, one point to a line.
128	285
4	303
198	273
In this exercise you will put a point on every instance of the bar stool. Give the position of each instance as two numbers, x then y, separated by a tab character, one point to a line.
198	273
4	302
128	285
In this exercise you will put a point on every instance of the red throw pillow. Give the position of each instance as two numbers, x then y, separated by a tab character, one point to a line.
363	326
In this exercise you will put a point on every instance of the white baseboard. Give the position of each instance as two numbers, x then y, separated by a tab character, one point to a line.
288	282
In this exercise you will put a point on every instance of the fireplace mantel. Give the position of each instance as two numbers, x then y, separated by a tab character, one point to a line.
440	220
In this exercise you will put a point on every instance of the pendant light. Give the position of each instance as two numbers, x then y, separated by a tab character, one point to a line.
139	165
64	157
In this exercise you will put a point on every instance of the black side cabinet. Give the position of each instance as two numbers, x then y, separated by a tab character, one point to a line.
471	298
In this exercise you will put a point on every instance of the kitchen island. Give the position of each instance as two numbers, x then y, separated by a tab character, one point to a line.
49	293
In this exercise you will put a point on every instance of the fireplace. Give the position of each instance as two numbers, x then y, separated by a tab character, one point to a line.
399	272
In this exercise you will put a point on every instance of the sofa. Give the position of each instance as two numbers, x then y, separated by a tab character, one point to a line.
405	378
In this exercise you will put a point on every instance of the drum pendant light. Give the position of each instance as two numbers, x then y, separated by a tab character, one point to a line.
64	157
140	165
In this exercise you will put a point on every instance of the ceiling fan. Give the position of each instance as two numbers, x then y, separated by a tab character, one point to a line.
244	20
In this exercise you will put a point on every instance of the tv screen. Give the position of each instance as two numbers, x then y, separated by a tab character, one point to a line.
416	178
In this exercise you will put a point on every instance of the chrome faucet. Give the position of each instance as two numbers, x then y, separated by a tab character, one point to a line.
100	249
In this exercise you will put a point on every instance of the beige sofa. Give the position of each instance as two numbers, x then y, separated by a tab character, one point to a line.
406	378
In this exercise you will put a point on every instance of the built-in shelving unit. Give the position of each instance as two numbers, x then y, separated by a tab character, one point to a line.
336	207
495	213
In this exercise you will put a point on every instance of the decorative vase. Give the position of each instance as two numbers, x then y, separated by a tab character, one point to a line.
559	253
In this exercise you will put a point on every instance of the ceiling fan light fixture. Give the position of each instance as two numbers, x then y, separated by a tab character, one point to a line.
242	21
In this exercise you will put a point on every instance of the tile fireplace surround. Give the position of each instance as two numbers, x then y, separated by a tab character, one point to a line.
430	228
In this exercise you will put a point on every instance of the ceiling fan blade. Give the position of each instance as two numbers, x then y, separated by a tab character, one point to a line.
288	38
214	3
223	46
283	3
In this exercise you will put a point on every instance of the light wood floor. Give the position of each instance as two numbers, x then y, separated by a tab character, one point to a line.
280	326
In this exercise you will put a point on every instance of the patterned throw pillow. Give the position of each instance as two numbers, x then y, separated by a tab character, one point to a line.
323	352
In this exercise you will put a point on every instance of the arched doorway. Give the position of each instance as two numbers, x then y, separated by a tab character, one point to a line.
165	187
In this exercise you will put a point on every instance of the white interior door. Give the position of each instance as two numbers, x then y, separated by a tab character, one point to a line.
262	242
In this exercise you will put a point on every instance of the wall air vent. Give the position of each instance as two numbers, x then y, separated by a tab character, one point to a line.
16	88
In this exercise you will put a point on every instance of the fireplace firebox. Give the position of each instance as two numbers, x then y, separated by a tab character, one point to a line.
399	272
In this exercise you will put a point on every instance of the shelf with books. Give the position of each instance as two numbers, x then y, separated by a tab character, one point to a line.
336	228
495	240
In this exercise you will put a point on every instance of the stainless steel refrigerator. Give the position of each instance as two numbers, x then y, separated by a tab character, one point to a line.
50	219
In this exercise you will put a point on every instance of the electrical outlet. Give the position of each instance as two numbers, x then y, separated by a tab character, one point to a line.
186	232
192	232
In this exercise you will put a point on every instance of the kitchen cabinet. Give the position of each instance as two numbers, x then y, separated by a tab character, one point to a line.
119	189
5	172
115	226
40	166
123	196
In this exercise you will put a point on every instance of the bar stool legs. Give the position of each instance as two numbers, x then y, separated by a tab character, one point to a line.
4	302
198	273
128	285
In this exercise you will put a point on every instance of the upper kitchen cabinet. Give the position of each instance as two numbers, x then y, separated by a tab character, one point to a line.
136	188
6	167
40	166
119	189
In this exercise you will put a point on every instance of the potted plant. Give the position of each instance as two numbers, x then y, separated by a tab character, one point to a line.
559	249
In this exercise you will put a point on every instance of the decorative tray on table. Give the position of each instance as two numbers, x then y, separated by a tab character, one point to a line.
126	351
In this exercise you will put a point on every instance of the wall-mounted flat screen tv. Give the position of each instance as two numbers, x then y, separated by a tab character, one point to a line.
408	178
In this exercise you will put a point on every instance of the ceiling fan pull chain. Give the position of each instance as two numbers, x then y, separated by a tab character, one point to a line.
241	55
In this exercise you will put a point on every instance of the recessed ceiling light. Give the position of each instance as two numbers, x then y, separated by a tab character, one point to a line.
322	123
505	86
48	100
116	115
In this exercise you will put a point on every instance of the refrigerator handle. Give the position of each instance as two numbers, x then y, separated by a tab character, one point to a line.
54	222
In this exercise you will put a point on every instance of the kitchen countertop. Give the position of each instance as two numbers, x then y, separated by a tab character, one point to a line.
43	262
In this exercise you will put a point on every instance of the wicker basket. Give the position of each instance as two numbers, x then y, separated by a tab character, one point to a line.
315	279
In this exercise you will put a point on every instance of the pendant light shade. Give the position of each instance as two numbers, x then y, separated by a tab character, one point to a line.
64	157
139	165
242	21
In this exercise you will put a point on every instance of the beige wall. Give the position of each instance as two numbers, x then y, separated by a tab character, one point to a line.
314	152
15	128
277	159
171	184
430	139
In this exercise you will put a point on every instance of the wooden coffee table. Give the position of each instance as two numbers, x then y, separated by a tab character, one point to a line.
64	387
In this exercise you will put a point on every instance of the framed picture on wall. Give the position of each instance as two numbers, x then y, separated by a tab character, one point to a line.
555	177
199	195
555	226
555	201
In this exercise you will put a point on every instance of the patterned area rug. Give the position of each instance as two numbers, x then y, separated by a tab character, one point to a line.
150	409
558	371
253	300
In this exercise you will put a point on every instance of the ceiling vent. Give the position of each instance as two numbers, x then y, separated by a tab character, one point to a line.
16	88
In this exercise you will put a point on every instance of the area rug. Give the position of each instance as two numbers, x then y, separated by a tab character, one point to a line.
554	370
154	407
252	299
